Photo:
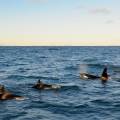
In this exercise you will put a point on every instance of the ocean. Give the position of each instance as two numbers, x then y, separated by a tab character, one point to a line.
77	99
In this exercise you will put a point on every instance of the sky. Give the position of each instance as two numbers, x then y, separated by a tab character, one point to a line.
59	22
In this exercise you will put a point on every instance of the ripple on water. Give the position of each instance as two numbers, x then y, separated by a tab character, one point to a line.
77	99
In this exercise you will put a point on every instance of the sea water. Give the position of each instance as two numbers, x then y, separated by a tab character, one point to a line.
77	99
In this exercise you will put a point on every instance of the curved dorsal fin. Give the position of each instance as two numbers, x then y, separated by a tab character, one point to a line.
104	73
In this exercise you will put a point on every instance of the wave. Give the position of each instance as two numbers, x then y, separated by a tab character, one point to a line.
53	49
101	102
69	86
34	77
70	68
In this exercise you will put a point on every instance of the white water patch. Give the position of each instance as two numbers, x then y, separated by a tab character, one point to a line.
21	98
67	84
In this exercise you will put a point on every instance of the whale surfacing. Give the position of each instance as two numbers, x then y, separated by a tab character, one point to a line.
6	95
40	85
88	76
104	76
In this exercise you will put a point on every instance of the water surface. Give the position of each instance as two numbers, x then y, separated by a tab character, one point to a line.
21	67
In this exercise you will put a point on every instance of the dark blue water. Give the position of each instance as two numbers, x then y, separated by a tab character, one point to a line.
21	67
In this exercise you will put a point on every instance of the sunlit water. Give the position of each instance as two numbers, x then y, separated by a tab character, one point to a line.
21	67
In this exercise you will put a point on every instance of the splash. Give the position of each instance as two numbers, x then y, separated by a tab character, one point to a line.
83	68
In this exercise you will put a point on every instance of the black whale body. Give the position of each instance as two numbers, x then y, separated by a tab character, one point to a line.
40	85
6	95
104	76
88	76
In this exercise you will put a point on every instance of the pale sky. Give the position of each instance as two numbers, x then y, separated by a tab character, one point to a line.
59	22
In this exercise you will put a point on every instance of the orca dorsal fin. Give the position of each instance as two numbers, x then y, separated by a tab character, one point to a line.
104	73
39	82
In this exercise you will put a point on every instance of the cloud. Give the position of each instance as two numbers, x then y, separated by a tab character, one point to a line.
109	21
100	11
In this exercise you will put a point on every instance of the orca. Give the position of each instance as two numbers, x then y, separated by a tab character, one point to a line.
40	85
6	95
104	76
88	76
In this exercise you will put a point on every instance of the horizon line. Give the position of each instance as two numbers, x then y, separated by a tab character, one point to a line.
59	45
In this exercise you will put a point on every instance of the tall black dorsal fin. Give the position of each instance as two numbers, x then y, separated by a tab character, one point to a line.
104	73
